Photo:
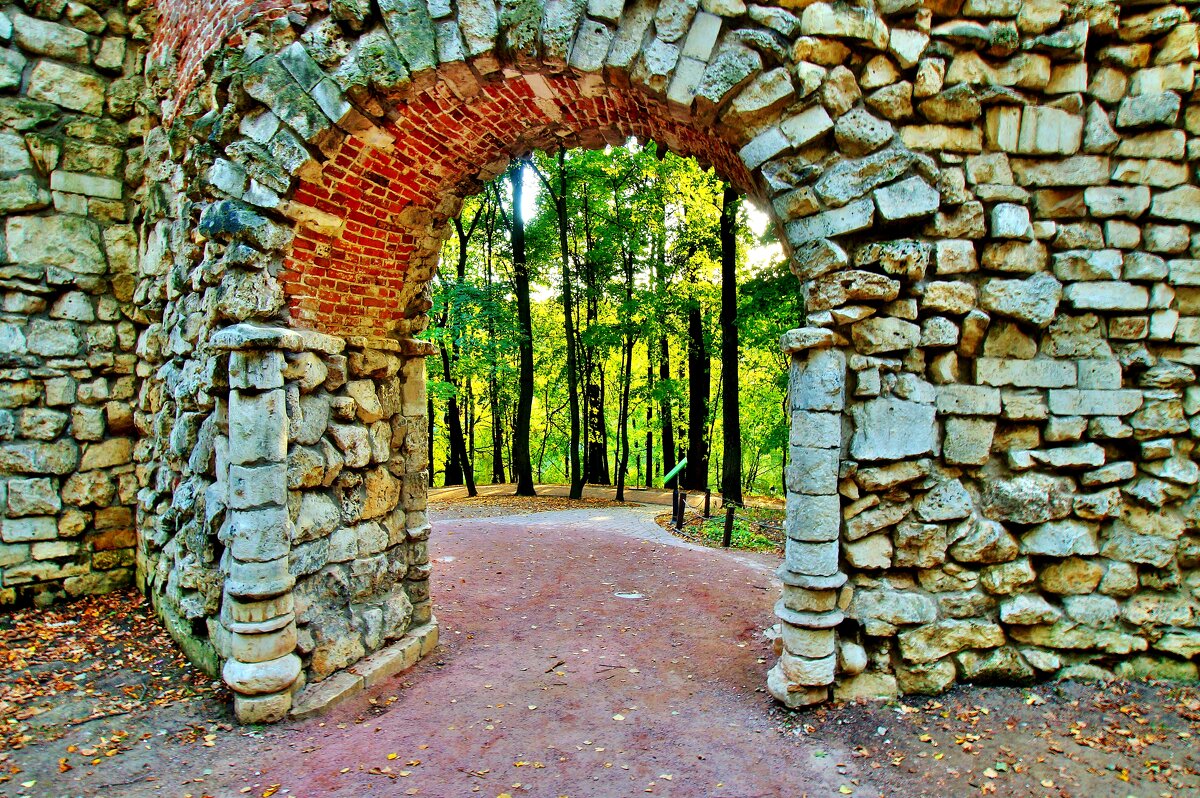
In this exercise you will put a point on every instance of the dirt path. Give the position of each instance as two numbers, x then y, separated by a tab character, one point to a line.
588	653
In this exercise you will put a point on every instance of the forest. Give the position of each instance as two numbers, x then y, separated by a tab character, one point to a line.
602	314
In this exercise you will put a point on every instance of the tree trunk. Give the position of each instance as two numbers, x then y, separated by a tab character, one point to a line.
699	379
429	438
622	459
649	419
664	411
493	381
731	423
575	472
522	466
458	445
597	428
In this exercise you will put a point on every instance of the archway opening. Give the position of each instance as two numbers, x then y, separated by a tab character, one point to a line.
632	241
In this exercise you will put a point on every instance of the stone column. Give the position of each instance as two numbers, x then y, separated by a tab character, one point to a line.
414	410
810	570
262	668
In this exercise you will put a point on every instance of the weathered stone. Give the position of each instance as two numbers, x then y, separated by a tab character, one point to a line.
1146	110
1061	539
932	642
50	39
66	87
892	429
851	218
909	199
873	552
1028	499
877	335
1034	300
1073	576
65	241
1027	609
833	290
968	441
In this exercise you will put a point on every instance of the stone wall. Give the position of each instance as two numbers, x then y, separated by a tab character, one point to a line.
324	532
989	205
994	401
70	177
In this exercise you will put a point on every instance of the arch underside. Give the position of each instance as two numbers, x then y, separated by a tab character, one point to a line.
369	277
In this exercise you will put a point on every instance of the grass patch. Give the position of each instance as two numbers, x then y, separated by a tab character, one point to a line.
754	529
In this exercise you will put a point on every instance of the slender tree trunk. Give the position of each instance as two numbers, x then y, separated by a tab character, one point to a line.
664	411
627	366
522	466
471	424
493	379
597	433
731	421
575	473
458	466
429	438
458	446
699	390
649	418
602	426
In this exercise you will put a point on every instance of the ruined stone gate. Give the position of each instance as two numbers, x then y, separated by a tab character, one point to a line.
221	219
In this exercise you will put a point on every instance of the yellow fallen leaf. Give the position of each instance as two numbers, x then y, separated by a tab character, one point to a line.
618	717
844	790
392	756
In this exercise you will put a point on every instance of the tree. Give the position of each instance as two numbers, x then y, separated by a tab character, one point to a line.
559	198
522	464
731	466
459	468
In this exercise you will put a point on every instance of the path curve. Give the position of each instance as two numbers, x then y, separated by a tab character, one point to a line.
543	664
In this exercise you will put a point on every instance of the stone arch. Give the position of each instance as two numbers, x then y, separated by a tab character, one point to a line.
325	187
919	174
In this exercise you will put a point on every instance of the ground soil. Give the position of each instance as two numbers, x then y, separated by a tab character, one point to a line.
585	653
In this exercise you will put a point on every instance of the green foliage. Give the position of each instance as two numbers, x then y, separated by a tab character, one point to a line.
631	214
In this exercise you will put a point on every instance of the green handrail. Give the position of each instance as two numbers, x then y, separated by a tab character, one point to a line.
675	471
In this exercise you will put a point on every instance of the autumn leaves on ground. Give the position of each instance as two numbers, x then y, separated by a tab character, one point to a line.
551	680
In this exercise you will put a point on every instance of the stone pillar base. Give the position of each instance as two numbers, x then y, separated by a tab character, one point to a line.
262	708
367	672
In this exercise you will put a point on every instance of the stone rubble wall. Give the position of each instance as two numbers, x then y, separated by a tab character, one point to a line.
994	399
70	375
357	477
990	207
324	538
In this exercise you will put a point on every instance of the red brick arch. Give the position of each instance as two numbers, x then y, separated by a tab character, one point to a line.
353	281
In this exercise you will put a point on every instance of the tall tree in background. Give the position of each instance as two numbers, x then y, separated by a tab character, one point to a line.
559	197
699	394
522	464
495	212
459	469
596	425
731	464
625	322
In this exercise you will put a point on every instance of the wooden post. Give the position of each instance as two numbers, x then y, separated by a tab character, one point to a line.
727	535
707	502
